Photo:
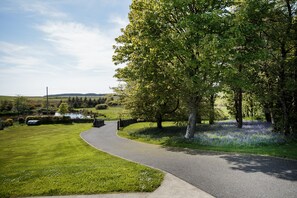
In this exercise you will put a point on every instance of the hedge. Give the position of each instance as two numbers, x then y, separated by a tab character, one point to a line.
124	123
50	119
58	119
101	106
87	120
98	123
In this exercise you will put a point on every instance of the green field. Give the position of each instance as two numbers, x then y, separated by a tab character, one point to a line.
172	136
36	100
54	160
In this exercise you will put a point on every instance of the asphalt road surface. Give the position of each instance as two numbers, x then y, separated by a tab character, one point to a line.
219	174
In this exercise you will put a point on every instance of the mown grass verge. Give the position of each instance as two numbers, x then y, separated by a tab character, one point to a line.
54	160
172	136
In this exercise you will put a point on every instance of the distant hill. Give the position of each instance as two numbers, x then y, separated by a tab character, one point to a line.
77	94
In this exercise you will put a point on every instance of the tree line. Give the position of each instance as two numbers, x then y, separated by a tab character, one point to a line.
183	53
24	106
80	102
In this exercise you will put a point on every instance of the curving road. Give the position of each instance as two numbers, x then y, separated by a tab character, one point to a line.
221	175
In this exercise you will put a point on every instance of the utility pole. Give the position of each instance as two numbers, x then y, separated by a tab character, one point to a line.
46	100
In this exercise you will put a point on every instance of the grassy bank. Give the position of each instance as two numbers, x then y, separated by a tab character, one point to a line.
54	160
172	136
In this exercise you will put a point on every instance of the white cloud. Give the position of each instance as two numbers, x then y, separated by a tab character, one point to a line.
90	47
16	58
119	21
10	48
43	9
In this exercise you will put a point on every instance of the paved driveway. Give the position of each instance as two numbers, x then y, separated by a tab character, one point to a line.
221	175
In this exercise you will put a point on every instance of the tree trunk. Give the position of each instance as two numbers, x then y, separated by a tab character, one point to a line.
191	128
198	118
294	113
272	117
286	124
159	121
238	101
267	114
239	124
295	99
282	91
212	109
238	107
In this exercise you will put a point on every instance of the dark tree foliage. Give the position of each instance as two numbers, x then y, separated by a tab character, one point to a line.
79	102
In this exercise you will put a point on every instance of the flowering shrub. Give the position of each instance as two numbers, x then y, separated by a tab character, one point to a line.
252	134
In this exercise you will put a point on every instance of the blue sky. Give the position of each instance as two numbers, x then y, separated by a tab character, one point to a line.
63	44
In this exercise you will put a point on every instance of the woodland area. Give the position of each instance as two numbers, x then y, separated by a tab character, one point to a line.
181	54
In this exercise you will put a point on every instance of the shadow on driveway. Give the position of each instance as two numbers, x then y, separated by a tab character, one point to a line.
277	167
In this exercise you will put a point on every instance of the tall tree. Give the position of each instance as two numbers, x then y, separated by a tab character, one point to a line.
188	38
63	108
247	49
196	31
277	72
21	104
150	90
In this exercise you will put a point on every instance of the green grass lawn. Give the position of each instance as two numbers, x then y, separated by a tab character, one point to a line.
111	113
54	160
171	136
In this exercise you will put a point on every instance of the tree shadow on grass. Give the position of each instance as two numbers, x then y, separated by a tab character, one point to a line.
161	133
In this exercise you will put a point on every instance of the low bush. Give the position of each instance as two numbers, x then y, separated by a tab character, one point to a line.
50	119
8	122
1	125
101	106
8	113
21	120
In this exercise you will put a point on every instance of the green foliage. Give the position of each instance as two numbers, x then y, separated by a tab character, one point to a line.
21	104
53	160
6	105
63	108
270	55
101	106
189	50
174	58
79	102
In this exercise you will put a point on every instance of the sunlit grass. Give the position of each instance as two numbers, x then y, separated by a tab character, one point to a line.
54	160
